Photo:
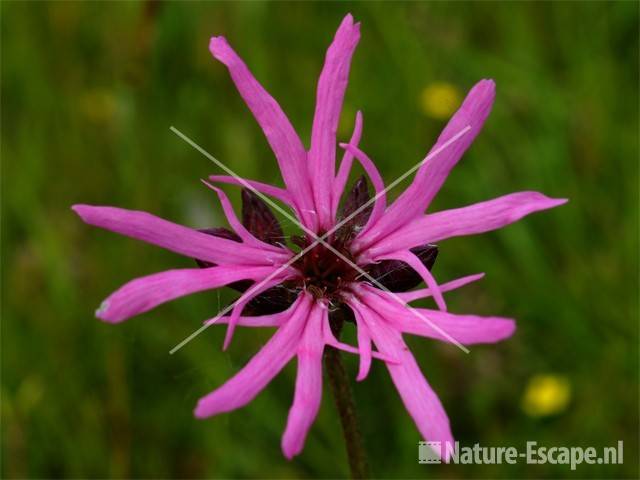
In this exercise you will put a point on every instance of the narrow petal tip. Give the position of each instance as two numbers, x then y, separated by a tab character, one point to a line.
81	210
486	84
289	451
490	82
107	314
348	30
346	21
547	202
101	312
479	101
510	328
219	48
201	410
212	187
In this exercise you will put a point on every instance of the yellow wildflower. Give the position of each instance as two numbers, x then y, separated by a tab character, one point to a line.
439	100
546	395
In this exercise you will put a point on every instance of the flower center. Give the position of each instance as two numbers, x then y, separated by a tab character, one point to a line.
325	274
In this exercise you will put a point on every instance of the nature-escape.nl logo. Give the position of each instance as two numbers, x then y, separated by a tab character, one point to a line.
433	452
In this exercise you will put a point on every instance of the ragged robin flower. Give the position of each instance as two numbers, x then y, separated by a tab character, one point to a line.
363	273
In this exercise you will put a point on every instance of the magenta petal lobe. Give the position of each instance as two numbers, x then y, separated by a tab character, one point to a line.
308	392
417	395
330	95
470	220
282	137
185	241
143	294
469	118
261	369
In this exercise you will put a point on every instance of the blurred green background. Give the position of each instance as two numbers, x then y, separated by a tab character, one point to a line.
89	91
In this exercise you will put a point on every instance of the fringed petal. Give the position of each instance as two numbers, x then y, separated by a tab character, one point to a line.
186	241
308	391
281	135
332	85
261	369
470	220
145	293
454	140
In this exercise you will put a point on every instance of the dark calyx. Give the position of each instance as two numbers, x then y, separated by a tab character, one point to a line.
322	273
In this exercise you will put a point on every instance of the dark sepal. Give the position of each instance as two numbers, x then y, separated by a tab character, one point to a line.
357	197
227	234
258	218
274	300
398	276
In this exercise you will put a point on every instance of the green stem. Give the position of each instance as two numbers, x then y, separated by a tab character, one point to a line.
343	397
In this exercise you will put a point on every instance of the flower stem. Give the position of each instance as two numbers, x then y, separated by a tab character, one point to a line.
343	397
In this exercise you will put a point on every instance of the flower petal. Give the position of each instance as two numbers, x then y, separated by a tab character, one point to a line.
445	287
465	329
245	235
276	192
331	340
332	85
444	326
364	347
261	369
145	293
221	232
419	399
473	219
398	276
432	173
376	179
281	135
345	165
186	241
245	298
308	393
414	262
269	320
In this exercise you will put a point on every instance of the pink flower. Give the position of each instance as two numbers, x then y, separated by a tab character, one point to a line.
392	244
